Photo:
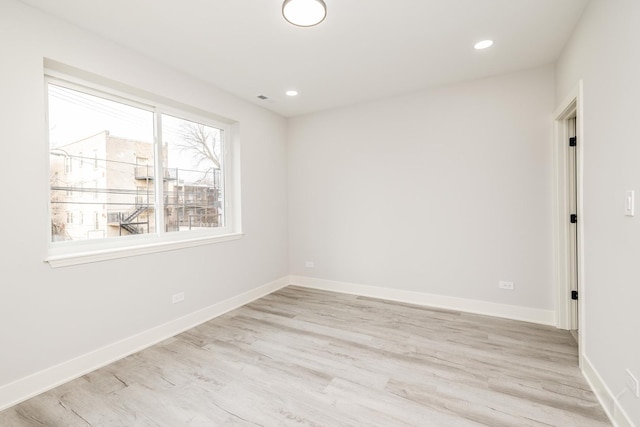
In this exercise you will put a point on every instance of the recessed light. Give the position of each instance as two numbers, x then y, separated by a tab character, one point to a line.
483	44
292	93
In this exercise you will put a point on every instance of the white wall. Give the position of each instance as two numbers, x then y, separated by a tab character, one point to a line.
49	316
444	192
604	53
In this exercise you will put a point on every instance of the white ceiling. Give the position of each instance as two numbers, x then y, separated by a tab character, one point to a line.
364	50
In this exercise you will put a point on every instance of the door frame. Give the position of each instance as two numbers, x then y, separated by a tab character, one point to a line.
572	105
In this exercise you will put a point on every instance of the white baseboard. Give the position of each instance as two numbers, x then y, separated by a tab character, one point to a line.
607	399
527	314
39	382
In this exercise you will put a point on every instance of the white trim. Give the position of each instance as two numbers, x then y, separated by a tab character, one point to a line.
103	86
39	382
608	401
561	212
582	322
564	107
75	258
527	314
68	253
573	102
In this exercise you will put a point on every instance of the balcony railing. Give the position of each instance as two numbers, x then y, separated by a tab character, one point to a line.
147	172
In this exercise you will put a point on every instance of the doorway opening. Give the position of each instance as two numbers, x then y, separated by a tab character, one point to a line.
572	242
568	228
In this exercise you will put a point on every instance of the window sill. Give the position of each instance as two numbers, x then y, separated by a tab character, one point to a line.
76	258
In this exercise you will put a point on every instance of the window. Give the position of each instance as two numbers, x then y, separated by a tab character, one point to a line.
68	164
194	164
160	174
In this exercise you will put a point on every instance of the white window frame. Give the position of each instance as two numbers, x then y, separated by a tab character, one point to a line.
62	254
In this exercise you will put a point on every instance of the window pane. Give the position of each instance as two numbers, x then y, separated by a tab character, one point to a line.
193	187
101	167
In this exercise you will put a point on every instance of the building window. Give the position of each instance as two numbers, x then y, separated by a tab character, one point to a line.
68	164
156	172
69	217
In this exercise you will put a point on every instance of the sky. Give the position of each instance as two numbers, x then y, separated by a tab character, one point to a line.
74	115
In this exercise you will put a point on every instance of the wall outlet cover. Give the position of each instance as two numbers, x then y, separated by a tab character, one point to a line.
629	203
503	284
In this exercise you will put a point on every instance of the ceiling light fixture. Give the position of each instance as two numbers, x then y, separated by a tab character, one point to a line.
483	44
292	93
304	13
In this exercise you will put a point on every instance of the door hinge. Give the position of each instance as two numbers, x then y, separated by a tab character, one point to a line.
574	295
573	141
573	218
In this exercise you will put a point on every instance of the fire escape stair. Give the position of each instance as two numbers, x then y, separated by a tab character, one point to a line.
128	223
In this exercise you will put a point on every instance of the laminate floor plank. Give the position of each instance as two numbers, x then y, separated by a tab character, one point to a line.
304	357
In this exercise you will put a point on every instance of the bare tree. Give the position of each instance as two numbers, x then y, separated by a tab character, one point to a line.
201	143
58	226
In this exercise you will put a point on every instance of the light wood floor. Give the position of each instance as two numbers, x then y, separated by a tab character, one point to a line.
302	357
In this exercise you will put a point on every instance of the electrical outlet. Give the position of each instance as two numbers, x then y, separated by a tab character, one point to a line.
309	264
176	298
505	285
633	384
629	203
